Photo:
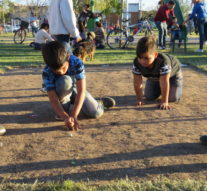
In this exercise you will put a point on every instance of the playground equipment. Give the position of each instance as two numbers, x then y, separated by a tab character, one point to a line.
179	16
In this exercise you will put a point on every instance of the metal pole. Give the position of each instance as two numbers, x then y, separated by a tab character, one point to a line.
122	2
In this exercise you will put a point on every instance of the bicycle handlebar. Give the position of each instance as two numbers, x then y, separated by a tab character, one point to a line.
125	20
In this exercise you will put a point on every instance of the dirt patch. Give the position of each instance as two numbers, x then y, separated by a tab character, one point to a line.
125	142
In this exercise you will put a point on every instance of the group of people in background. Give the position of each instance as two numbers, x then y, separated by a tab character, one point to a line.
66	26
165	20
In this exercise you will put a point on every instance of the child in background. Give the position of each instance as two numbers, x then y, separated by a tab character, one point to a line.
65	83
163	73
176	32
100	36
42	36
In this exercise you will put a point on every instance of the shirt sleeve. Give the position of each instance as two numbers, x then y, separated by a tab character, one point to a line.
80	70
47	36
166	69
48	80
136	70
193	12
69	18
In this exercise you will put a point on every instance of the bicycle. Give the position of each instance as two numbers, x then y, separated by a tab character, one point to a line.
20	34
120	38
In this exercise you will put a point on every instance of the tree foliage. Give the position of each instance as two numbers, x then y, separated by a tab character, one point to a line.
6	7
104	6
37	6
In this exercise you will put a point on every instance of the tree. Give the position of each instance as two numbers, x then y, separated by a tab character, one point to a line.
185	7
6	7
37	6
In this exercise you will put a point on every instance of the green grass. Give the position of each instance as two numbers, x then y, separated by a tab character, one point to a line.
21	55
121	185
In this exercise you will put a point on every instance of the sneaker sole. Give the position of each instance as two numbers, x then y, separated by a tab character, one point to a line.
108	102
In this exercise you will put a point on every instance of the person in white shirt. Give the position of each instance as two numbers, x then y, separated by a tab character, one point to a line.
42	37
33	23
62	21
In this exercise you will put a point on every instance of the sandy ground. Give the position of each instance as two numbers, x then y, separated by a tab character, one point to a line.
138	143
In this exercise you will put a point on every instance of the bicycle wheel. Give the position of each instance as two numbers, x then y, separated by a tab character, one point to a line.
19	36
116	39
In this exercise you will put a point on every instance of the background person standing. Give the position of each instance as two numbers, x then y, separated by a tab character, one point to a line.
200	10
162	19
62	22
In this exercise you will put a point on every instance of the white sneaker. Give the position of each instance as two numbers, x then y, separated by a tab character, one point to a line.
199	50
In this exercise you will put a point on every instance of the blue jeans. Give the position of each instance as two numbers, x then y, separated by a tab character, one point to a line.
176	34
162	30
65	40
67	92
34	30
202	30
153	91
38	46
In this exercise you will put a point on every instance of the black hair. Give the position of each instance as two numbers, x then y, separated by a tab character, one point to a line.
44	25
171	2
146	44
87	5
54	54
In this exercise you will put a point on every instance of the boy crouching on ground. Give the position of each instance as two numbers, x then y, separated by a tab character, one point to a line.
163	73
65	83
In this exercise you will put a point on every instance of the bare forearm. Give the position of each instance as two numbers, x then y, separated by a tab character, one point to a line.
81	89
56	105
165	88
78	104
138	87
139	92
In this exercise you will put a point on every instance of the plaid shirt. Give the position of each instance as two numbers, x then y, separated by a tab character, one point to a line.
75	70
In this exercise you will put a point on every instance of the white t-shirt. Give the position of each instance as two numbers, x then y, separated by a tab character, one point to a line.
33	21
62	19
42	36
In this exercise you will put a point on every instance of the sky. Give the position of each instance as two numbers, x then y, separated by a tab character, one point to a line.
146	4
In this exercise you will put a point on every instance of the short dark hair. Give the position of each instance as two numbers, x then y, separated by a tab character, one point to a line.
146	44
44	25
54	54
87	5
171	2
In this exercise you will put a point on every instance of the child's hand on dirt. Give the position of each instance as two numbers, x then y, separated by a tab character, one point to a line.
139	103
69	122
164	106
76	124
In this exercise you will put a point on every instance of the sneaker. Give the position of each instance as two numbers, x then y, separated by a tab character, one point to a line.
43	90
199	50
160	48
108	102
203	139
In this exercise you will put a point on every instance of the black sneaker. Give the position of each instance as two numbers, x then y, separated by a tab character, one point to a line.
108	102
203	139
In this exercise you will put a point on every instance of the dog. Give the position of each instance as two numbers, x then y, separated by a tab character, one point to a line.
86	48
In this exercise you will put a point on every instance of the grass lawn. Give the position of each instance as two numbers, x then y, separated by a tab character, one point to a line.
121	185
21	55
